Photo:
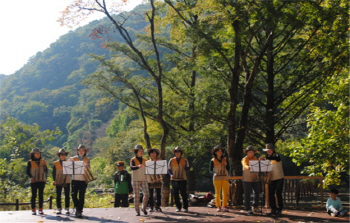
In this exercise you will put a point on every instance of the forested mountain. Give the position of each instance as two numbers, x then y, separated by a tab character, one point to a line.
48	91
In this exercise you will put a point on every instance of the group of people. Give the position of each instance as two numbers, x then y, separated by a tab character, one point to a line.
37	171
177	167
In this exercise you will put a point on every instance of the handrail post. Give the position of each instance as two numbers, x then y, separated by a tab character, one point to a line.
17	204
321	184
50	203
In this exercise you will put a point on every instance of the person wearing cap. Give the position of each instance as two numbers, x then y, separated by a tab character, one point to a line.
275	179
250	181
79	184
122	181
61	181
177	169
37	171
139	179
220	167
154	181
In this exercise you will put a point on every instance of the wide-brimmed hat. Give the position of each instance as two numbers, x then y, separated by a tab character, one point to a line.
151	150
216	148
120	163
137	147
249	148
178	148
61	151
81	146
269	146
34	150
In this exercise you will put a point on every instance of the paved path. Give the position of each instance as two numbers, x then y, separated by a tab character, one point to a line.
195	214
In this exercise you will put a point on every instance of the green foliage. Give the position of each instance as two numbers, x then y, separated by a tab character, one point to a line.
326	148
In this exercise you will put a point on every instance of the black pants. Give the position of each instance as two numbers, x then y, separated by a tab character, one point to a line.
276	186
123	197
248	186
66	196
158	194
78	187
180	186
35	187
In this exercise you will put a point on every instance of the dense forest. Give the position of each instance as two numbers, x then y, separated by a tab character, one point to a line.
193	74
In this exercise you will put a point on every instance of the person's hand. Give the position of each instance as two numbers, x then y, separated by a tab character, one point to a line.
54	183
214	175
262	158
140	166
70	159
31	180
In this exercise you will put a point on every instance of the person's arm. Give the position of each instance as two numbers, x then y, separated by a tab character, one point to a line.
187	167
340	206
228	167
169	170
245	163
133	166
128	177
211	166
29	166
54	172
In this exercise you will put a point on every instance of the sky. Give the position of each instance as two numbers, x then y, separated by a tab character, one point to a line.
30	26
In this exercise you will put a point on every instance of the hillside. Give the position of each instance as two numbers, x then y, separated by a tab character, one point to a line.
47	89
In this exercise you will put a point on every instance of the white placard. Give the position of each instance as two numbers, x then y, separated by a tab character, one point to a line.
260	166
156	167
73	167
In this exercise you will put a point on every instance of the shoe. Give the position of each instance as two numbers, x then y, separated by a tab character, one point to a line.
225	209
137	213
41	211
256	209
67	211
185	210
158	209
144	211
178	210
278	211
333	214
79	214
218	209
59	211
33	212
250	212
151	209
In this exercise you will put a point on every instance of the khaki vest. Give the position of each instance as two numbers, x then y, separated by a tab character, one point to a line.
140	173
276	171
38	172
220	169
155	181
61	180
80	177
247	175
178	169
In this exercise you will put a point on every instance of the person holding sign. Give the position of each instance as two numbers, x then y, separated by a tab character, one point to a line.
37	171
79	183
275	179
177	168
220	166
61	181
250	181
154	181
122	181
139	179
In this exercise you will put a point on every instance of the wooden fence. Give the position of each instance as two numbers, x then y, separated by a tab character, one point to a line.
295	188
17	204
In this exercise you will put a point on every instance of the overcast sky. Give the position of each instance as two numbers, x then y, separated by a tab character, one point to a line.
30	26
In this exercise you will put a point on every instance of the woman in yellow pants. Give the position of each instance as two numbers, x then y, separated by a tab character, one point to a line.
220	166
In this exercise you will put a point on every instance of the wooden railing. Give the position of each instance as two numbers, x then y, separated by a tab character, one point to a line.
17	204
294	188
